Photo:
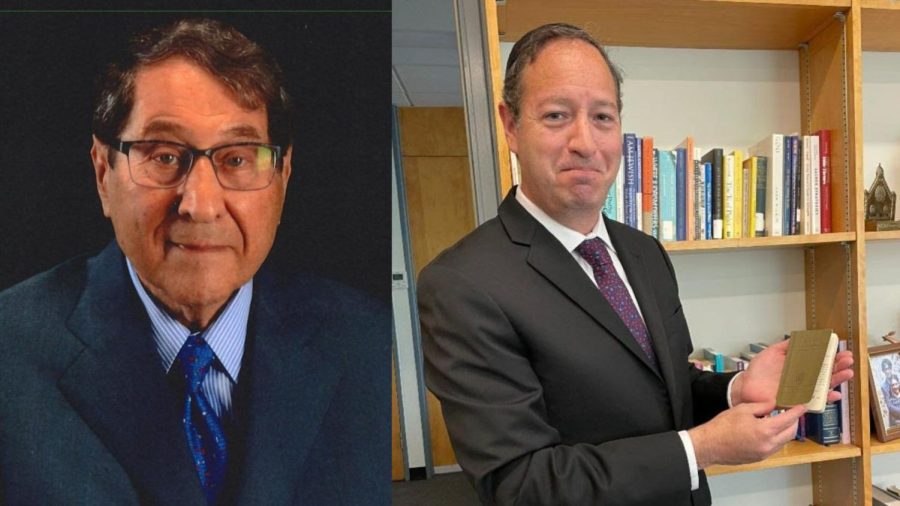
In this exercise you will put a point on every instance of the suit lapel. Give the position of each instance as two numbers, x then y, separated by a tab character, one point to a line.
636	271
289	388
548	257
118	386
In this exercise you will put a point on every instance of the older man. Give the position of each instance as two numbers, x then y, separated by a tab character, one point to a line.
172	368
555	339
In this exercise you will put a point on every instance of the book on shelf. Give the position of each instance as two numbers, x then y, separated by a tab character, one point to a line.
844	389
825	427
689	154
738	228
680	194
647	184
815	213
806	375
805	185
667	204
707	200
699	216
717	359
761	178
796	171
714	157
638	186
728	197
654	196
609	206
772	148
620	192
748	199
825	178
757	347
630	154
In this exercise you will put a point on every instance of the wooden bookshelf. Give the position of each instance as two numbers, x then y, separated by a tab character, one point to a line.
789	241
794	453
883	235
673	23
880	19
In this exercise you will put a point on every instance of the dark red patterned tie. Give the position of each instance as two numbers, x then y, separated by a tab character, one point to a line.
612	287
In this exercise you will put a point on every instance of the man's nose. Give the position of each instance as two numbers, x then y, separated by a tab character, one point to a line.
581	139
202	197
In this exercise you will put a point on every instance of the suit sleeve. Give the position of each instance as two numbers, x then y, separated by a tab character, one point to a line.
493	405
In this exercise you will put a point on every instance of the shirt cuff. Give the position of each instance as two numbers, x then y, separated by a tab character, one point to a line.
728	393
692	459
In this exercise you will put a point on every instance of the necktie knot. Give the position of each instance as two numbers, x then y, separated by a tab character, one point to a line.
594	252
195	359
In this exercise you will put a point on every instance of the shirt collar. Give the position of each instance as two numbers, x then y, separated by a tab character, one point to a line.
569	238
226	335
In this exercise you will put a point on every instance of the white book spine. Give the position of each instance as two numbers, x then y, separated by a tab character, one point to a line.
816	178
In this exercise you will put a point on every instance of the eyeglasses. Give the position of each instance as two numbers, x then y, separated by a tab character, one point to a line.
161	164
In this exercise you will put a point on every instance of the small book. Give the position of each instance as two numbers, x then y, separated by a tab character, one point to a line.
806	376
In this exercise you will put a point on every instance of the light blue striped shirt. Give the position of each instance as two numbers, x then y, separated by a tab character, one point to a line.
226	336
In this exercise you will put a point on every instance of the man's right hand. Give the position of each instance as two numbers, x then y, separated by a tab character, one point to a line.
743	434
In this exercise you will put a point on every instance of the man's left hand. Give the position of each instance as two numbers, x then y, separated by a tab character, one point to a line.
759	383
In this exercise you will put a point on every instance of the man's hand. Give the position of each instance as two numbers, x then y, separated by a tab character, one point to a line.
759	383
743	434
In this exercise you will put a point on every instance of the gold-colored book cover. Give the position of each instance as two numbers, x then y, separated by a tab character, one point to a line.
806	376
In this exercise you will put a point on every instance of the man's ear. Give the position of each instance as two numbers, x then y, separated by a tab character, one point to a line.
509	126
102	171
286	168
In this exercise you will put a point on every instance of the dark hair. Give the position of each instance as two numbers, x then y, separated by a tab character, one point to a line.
242	65
530	45
886	362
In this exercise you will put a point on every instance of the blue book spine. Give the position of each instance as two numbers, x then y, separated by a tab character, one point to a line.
666	195
680	176
796	177
786	199
825	427
707	204
654	202
628	194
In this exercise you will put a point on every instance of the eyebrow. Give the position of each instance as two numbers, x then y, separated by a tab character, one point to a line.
567	101
169	127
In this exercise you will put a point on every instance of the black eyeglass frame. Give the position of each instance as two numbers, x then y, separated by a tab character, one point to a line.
125	146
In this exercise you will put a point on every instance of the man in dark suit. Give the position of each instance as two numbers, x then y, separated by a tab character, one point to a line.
555	339
174	368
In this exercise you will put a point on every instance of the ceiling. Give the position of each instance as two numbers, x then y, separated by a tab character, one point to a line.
424	54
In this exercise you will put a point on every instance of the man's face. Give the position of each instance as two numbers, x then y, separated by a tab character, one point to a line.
194	244
568	135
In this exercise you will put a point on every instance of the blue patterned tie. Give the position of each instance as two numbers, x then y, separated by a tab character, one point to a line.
205	436
615	292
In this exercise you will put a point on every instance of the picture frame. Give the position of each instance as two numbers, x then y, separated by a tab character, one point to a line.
884	386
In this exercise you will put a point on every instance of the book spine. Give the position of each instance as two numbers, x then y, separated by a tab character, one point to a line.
761	168
689	227
796	171
825	176
620	192
680	188
609	206
698	216
728	197
666	195
844	388
747	200
805	186
775	188
825	427
630	178
638	187
707	199
815	185
718	197
738	230
654	197
786	198
716	358
647	184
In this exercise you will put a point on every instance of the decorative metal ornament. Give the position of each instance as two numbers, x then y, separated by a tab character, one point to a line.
880	203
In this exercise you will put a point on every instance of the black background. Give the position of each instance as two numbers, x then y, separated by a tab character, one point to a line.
336	216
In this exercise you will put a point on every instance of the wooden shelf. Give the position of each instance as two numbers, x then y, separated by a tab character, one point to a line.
883	236
795	452
726	24
880	19
889	447
789	241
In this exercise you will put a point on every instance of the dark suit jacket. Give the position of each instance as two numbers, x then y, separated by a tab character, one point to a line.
547	396
87	415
